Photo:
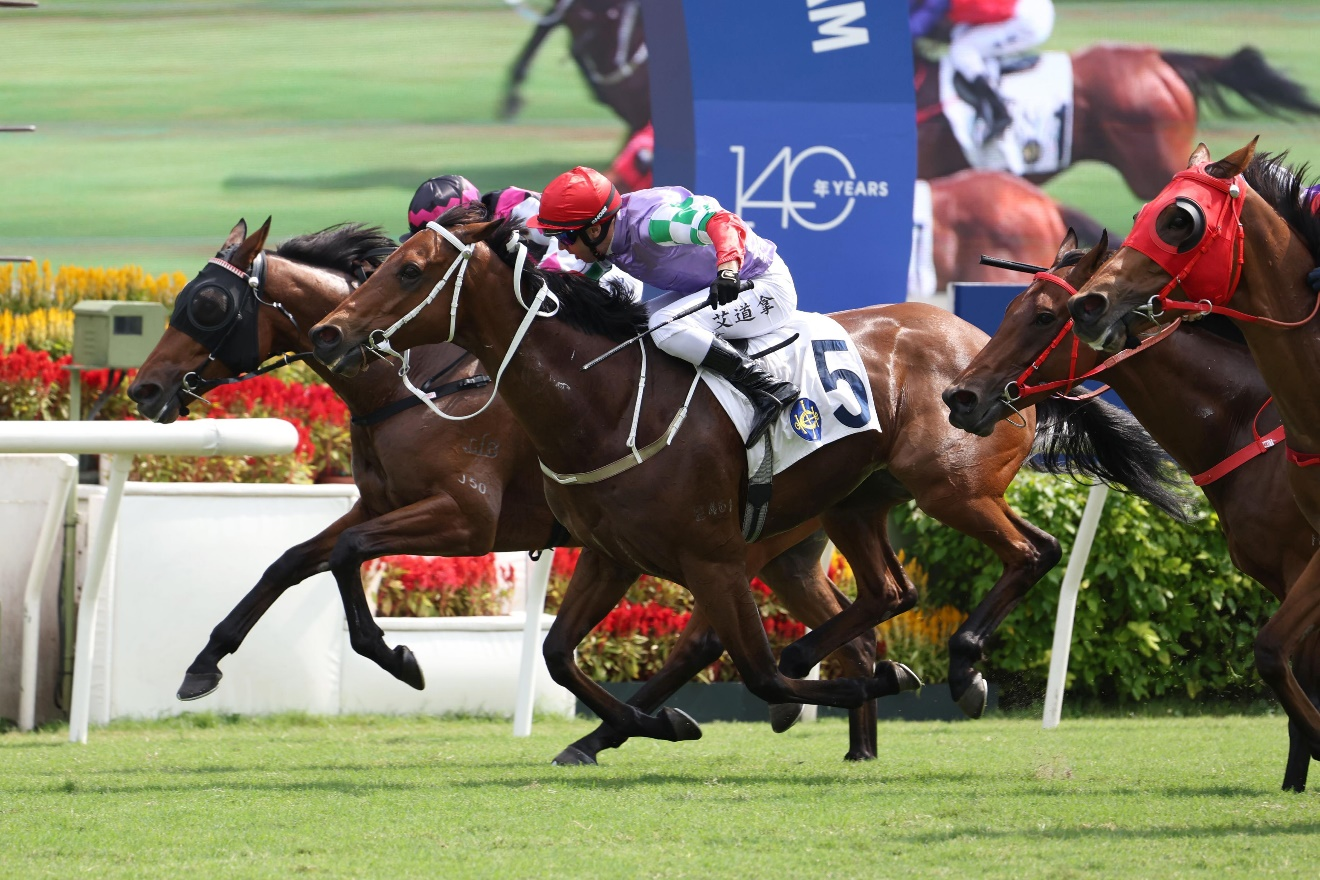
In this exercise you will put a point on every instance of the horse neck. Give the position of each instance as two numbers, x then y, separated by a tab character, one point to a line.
1274	285
310	293
1196	394
557	403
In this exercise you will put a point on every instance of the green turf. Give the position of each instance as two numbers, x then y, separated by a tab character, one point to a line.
161	122
398	798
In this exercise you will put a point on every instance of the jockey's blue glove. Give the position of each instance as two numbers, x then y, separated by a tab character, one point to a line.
1313	279
726	288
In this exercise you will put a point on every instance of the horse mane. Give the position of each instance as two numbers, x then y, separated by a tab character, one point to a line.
340	248
1282	185
599	309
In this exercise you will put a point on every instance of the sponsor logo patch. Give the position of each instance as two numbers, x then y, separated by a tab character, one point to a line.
805	419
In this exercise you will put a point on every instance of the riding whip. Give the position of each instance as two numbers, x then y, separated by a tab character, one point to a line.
1012	265
622	345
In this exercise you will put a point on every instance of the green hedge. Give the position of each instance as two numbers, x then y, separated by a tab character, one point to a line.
1162	610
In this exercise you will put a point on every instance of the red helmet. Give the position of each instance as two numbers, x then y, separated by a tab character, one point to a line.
575	200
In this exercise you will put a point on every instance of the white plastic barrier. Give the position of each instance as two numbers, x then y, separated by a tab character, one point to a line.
123	440
35	489
185	555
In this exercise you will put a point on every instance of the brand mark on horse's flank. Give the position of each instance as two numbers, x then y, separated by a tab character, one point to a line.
835	25
485	447
465	480
805	419
713	509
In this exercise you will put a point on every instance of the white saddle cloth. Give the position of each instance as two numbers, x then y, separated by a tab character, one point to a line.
834	396
1040	100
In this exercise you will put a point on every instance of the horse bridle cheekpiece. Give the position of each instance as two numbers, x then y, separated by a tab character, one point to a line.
1208	263
218	308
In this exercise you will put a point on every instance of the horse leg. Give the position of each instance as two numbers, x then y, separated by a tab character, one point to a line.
883	591
1026	553
1275	644
513	102
434	526
597	585
1306	666
803	588
696	648
294	566
721	588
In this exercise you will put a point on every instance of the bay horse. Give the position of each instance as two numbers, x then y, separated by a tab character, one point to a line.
1135	108
1213	404
417	477
994	212
1236	229
681	520
608	44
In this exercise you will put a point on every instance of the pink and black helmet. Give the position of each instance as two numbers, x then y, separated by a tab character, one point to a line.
436	196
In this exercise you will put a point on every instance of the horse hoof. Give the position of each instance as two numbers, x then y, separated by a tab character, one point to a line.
973	700
859	756
681	725
907	679
198	684
784	715
573	757
406	668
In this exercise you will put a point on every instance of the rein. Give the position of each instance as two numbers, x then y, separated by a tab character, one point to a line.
378	340
1018	388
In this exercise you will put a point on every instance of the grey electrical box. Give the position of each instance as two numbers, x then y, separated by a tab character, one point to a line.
119	335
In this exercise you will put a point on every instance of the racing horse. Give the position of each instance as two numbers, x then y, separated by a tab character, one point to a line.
1236	230
609	47
417	474
681	520
1209	416
1135	108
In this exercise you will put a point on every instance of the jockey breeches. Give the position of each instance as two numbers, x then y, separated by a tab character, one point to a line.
971	46
771	301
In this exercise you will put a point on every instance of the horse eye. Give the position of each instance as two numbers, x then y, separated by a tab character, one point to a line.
410	272
1044	319
209	308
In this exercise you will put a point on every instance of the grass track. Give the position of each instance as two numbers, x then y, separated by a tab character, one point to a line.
418	797
161	122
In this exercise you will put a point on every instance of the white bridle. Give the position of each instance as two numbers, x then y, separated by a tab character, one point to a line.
379	340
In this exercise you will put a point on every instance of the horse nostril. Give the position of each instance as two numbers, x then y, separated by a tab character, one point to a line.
959	399
1092	304
326	336
143	392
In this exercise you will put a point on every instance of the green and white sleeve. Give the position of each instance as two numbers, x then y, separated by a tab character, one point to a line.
682	223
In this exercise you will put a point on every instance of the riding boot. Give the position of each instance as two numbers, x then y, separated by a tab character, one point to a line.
767	394
990	107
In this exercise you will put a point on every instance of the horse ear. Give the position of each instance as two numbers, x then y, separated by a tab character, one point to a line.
1234	163
1087	265
1069	244
1199	155
236	235
251	246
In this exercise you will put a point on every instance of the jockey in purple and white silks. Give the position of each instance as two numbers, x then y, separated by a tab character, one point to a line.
698	252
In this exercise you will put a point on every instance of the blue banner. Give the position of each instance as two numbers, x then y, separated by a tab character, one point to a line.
800	117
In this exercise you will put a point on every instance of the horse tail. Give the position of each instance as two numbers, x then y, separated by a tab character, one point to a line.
1245	72
1088	229
1095	439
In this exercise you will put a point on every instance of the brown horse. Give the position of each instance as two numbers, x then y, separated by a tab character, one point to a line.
1135	108
682	521
1258	242
609	47
416	475
992	212
1212	406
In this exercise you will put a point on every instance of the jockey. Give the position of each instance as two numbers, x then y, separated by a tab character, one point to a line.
688	245
985	31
